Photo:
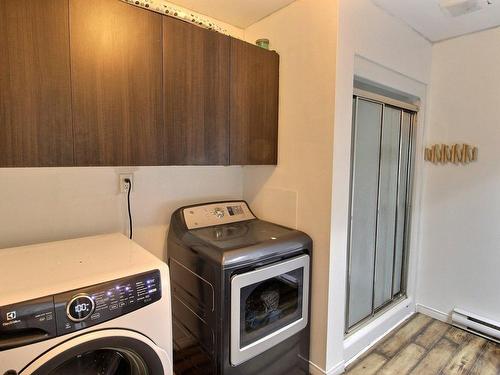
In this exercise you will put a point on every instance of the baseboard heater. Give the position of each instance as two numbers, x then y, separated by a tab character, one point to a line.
481	326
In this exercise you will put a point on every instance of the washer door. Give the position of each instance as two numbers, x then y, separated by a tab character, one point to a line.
106	352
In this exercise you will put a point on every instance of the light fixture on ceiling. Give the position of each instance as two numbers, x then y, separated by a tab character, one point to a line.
457	8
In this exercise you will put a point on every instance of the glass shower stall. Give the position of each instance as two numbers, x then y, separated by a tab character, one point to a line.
382	156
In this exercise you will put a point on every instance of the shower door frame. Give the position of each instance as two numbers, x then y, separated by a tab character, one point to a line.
413	110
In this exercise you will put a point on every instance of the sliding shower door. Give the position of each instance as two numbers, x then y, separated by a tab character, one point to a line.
381	169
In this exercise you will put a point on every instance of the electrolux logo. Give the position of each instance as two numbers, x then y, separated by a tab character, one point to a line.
11	315
10	319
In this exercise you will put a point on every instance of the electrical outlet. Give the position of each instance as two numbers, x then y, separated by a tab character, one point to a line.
125	186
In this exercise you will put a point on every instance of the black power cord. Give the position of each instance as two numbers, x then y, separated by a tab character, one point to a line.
127	181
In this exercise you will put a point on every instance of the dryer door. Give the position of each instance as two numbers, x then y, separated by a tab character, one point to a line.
109	352
268	305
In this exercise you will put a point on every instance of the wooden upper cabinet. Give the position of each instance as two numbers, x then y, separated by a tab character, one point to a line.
35	104
105	83
116	70
253	104
196	94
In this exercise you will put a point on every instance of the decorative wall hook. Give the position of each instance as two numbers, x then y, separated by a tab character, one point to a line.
456	154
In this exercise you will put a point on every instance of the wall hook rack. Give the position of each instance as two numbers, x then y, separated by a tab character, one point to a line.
455	154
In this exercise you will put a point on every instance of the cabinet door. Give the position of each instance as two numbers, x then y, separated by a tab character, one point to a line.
116	66
253	104
196	94
35	104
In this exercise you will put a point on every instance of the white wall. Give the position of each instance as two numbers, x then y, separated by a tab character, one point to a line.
460	261
376	46
297	192
48	204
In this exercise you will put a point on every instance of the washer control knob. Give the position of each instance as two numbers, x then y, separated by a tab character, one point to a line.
219	212
80	307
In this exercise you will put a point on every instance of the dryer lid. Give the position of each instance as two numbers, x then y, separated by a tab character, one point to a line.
242	234
234	245
232	240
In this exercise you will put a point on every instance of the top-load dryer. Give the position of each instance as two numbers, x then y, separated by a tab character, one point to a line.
240	292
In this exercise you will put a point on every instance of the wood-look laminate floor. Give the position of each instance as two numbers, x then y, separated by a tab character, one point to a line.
424	346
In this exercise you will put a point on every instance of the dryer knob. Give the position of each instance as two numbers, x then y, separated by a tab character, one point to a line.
80	307
219	212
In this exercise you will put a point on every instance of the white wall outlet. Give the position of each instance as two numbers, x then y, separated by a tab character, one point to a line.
123	185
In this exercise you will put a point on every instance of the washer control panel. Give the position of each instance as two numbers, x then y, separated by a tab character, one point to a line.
28	322
212	214
86	307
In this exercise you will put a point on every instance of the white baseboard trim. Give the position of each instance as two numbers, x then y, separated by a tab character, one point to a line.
339	368
335	370
433	313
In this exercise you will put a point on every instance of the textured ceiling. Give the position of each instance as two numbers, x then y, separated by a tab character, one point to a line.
240	13
443	19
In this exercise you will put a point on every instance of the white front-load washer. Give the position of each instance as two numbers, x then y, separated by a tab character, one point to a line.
95	305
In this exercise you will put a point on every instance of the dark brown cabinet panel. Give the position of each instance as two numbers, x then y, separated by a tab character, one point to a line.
253	104
105	83
196	94
35	104
116	69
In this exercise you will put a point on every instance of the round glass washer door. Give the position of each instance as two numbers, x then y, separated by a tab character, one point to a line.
109	361
106	352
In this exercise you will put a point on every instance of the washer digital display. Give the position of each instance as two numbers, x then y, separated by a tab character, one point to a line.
80	308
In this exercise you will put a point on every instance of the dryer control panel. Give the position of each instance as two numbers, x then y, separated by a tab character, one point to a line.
40	319
212	214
